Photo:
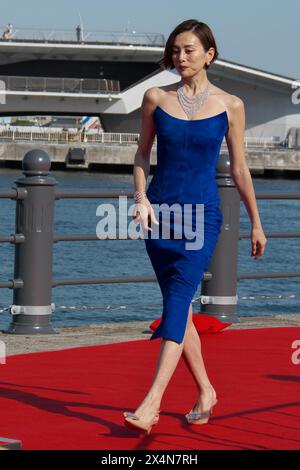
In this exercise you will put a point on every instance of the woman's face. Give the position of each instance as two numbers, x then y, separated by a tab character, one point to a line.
188	54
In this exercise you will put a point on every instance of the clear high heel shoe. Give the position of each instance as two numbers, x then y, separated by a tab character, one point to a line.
200	418
132	421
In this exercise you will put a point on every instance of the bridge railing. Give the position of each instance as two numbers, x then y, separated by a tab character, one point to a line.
85	36
60	85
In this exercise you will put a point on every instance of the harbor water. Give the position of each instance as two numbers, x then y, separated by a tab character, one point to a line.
92	304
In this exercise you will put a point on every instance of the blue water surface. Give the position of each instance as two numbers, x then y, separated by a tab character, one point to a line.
93	304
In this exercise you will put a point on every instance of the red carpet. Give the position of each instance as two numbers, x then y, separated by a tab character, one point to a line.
75	398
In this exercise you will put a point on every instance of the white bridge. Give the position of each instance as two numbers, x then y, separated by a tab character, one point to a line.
106	74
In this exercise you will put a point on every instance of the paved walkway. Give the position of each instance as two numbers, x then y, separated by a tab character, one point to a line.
104	333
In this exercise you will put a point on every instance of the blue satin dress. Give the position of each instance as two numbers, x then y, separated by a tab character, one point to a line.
185	180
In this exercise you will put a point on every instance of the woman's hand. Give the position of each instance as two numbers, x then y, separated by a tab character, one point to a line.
258	241
142	212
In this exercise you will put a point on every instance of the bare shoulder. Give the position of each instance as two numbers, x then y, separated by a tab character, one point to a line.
232	103
235	104
236	111
153	95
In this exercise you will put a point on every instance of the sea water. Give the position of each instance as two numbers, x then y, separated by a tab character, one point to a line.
91	304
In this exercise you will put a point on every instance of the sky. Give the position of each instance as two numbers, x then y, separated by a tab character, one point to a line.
258	33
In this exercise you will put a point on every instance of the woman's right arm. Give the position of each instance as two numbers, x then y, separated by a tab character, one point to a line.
143	209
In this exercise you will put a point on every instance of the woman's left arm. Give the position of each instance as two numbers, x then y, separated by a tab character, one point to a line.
241	174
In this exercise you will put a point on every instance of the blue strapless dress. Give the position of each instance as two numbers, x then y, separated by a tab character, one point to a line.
185	180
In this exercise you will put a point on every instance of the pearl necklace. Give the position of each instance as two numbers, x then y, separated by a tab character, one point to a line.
191	105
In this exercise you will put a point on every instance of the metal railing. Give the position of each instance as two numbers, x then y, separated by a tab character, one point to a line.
97	136
35	196
60	85
55	136
263	142
82	36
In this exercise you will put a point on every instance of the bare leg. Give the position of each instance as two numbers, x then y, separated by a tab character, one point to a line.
192	354
168	358
194	362
169	355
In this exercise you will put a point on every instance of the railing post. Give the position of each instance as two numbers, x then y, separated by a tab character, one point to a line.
219	295
32	306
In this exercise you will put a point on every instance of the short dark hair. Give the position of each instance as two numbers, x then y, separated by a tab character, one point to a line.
201	30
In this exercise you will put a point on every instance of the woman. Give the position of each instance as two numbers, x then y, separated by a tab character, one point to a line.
190	119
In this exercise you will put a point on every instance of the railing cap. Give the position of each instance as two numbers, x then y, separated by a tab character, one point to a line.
36	162
223	165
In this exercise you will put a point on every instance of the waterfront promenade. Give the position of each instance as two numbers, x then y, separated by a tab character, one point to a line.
74	398
115	332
